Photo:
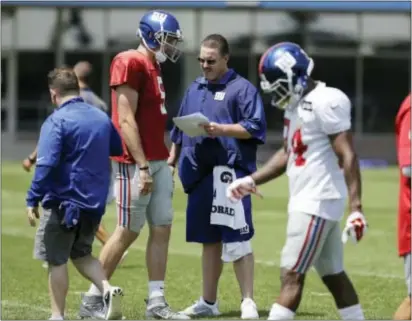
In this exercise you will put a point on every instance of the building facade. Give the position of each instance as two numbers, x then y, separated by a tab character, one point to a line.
364	51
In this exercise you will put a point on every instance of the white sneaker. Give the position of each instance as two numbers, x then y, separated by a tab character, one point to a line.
249	309
202	309
275	315
113	300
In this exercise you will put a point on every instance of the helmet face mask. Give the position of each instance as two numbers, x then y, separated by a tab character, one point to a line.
281	91
281	95
169	45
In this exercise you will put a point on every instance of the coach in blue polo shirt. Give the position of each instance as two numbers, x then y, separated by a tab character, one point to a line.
71	180
209	163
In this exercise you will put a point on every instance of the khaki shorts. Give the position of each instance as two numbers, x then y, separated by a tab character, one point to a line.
312	241
133	209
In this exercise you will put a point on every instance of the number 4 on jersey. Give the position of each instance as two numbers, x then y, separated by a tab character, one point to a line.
298	148
163	110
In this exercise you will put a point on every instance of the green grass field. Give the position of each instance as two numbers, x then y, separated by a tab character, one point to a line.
373	265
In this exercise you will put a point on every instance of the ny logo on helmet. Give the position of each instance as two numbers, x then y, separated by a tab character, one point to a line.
159	17
285	62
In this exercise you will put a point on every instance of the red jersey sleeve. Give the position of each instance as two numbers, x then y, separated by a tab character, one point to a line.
126	71
404	145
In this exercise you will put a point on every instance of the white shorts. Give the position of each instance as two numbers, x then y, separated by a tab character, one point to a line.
312	241
133	209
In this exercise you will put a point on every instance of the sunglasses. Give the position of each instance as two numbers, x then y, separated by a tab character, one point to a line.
208	61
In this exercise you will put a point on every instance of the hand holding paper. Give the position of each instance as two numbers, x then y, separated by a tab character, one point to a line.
213	129
191	124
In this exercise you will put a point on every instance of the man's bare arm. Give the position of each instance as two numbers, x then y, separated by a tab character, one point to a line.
127	99
174	154
33	155
342	144
273	168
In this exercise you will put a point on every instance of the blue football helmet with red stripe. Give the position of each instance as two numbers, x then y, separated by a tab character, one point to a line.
284	70
160	33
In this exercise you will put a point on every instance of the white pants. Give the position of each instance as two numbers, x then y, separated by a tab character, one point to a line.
312	241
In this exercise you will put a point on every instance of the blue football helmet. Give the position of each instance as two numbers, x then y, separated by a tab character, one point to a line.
284	70
160	33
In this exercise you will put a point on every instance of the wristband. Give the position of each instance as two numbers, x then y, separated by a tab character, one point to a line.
31	160
171	165
144	168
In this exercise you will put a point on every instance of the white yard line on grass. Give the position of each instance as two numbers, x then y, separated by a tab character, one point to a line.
76	292
33	307
21	233
319	293
19	304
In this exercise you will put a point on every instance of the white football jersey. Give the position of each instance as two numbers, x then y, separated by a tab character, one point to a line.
315	176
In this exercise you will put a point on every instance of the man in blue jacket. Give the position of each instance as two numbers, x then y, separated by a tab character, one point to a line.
83	71
208	163
71	180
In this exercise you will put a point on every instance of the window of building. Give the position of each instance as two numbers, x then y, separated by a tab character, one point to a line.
33	94
386	83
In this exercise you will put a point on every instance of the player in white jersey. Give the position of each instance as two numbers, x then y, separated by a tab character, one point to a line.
319	159
315	177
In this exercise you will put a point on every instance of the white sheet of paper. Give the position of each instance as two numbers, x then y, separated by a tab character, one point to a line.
189	124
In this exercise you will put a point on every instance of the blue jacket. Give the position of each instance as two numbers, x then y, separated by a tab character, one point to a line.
233	100
73	163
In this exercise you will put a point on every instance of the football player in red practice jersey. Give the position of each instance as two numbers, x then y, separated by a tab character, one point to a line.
144	180
403	147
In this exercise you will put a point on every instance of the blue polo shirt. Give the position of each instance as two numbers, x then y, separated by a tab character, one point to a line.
233	100
73	164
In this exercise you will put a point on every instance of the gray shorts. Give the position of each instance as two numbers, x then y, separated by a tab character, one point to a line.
132	208
312	241
407	265
55	245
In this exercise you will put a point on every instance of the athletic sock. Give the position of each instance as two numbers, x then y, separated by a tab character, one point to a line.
353	312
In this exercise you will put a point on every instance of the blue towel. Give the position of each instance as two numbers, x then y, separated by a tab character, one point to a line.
71	214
